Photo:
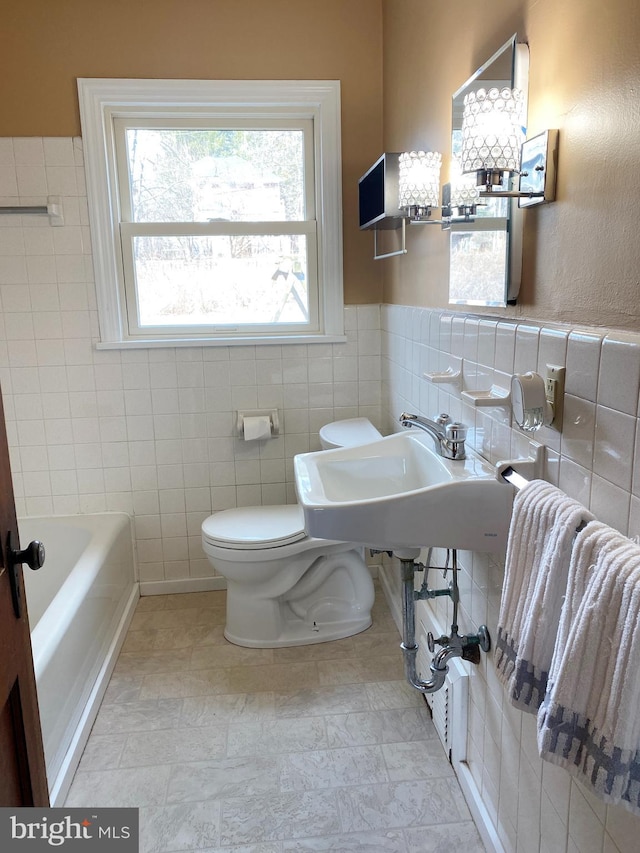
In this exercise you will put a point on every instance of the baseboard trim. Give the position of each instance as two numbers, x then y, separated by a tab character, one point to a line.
479	812
169	587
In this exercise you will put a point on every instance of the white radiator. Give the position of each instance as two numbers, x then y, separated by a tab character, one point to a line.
449	705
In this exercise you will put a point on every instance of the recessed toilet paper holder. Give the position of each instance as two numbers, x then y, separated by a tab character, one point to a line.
272	414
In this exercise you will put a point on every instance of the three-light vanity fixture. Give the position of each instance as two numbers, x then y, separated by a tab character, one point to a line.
494	149
493	153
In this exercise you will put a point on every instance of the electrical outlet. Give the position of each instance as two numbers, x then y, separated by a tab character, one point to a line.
554	392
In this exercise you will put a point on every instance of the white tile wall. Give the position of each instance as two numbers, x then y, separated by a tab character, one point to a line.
533	805
150	432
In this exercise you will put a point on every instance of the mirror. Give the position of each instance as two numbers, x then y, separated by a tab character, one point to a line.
486	248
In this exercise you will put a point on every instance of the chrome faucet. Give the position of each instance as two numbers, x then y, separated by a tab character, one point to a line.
449	436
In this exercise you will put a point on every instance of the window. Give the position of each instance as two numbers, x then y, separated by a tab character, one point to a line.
215	210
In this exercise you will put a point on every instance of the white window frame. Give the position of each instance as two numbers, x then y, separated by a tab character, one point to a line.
306	226
103	100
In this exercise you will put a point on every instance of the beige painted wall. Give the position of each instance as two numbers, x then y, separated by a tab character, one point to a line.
582	254
45	46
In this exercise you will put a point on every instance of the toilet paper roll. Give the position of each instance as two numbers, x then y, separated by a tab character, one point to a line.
256	427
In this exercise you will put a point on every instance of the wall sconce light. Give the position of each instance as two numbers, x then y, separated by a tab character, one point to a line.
397	189
494	145
465	198
419	184
460	197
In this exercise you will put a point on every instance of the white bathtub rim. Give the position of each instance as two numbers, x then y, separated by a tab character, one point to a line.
82	520
99	542
107	557
61	610
62	783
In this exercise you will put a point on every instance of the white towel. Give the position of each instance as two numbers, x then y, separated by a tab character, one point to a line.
589	722
543	527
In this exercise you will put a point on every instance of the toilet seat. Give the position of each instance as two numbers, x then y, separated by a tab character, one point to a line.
255	528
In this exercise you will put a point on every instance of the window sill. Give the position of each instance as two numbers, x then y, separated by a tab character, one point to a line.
154	343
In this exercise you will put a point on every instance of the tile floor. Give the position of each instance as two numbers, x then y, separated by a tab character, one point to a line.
233	750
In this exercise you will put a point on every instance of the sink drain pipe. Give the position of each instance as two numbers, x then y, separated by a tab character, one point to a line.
467	646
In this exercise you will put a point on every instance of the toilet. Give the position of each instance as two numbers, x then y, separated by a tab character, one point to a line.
285	588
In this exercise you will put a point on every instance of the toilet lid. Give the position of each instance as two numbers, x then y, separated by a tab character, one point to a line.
348	433
253	527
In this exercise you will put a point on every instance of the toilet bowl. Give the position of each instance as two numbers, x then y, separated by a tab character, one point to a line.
285	588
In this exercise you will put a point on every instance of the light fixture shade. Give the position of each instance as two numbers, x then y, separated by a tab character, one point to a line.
492	130
419	179
464	192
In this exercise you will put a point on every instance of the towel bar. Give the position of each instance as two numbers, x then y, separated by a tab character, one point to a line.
511	476
52	209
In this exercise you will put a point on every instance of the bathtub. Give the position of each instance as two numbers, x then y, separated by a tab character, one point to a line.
80	604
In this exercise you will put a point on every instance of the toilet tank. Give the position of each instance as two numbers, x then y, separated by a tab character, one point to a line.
348	433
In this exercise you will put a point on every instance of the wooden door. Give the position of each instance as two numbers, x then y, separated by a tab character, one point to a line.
23	780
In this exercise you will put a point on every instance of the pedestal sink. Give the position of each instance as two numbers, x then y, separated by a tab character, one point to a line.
398	493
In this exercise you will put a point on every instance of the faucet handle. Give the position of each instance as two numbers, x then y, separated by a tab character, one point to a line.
443	419
455	431
433	641
455	436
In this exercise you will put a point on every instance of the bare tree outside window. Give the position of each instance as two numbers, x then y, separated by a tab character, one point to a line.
230	176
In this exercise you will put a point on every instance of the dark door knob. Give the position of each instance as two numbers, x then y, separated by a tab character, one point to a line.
32	555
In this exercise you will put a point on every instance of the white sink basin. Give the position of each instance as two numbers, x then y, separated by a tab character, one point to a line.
398	493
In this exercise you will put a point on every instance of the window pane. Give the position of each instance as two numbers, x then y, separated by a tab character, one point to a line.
209	175
234	280
477	266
